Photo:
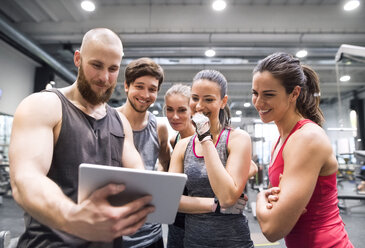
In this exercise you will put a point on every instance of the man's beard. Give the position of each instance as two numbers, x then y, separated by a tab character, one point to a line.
134	106
84	86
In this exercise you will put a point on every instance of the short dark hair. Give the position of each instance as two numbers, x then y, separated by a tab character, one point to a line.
143	67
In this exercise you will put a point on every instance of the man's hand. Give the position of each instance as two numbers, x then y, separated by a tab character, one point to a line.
237	208
95	219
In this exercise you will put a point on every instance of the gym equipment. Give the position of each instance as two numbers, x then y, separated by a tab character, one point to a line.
350	173
5	187
356	173
5	238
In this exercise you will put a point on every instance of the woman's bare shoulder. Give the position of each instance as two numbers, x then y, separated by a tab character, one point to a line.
239	134
310	137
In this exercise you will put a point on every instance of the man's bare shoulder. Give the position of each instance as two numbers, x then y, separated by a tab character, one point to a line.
121	115
126	125
45	105
119	109
162	127
41	102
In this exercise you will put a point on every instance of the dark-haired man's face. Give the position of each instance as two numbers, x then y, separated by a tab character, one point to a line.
142	93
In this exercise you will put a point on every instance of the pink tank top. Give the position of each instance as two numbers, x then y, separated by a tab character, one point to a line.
321	226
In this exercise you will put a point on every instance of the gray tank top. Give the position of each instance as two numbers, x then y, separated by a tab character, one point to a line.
146	142
211	229
82	139
148	145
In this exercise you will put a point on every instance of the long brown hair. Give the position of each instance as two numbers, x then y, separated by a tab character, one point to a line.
291	73
220	79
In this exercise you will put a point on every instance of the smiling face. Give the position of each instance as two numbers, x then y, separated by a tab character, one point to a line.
269	97
206	99
178	111
142	93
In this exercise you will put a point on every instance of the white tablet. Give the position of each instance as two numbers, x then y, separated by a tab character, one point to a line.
165	188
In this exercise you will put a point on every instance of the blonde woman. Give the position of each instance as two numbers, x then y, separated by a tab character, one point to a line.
178	114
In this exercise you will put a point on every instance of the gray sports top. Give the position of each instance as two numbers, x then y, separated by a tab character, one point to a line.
211	229
82	139
147	144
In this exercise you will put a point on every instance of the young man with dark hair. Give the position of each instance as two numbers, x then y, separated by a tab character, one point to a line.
143	78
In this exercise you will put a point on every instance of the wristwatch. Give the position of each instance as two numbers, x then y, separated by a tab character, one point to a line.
216	208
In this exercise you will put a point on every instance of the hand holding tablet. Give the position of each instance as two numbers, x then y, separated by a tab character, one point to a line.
165	188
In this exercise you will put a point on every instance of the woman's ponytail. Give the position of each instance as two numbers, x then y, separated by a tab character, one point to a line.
309	98
225	116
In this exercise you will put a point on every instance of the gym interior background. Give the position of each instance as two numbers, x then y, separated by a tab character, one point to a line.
38	38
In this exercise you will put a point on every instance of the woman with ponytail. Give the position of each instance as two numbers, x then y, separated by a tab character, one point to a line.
303	167
217	162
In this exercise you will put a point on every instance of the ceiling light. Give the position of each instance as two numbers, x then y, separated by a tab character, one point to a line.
351	5
155	112
219	5
88	6
247	105
210	53
345	78
301	54
238	112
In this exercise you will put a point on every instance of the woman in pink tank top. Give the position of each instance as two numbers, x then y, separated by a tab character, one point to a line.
303	165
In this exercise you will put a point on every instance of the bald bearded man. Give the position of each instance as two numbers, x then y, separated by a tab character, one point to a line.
56	130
